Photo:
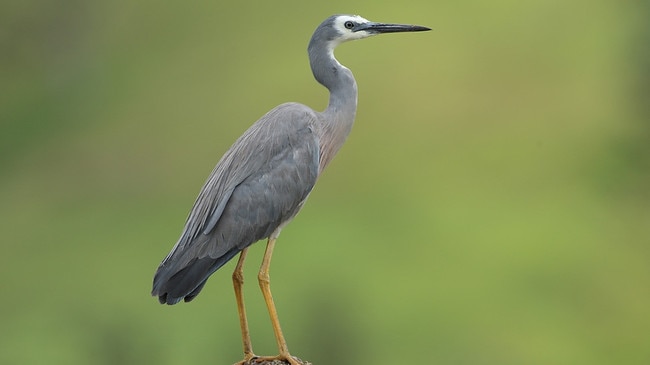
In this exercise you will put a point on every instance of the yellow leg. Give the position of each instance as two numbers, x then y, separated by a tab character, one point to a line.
238	282
265	285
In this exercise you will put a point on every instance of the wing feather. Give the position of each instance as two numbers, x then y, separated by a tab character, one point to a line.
258	185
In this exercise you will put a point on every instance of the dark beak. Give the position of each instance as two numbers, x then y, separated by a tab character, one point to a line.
377	28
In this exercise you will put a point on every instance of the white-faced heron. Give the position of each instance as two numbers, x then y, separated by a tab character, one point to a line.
264	179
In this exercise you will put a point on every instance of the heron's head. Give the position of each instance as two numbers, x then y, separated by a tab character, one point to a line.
341	28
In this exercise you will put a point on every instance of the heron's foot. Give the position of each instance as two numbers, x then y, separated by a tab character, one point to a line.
248	358
281	359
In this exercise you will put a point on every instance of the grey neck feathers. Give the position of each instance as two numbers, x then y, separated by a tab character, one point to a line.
339	115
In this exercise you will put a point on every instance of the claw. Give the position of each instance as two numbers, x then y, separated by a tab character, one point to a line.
288	359
247	359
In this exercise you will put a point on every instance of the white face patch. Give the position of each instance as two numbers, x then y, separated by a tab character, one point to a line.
347	34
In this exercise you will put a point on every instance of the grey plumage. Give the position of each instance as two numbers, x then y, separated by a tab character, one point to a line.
259	184
263	180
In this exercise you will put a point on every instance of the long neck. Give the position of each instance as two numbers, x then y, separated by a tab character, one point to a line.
339	115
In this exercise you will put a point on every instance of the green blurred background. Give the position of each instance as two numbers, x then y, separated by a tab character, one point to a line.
490	207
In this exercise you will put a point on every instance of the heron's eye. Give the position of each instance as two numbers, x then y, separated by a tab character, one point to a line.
348	25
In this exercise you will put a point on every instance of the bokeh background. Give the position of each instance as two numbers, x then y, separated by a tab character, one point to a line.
490	207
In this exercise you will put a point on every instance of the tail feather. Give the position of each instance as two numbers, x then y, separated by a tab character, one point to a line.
172	284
